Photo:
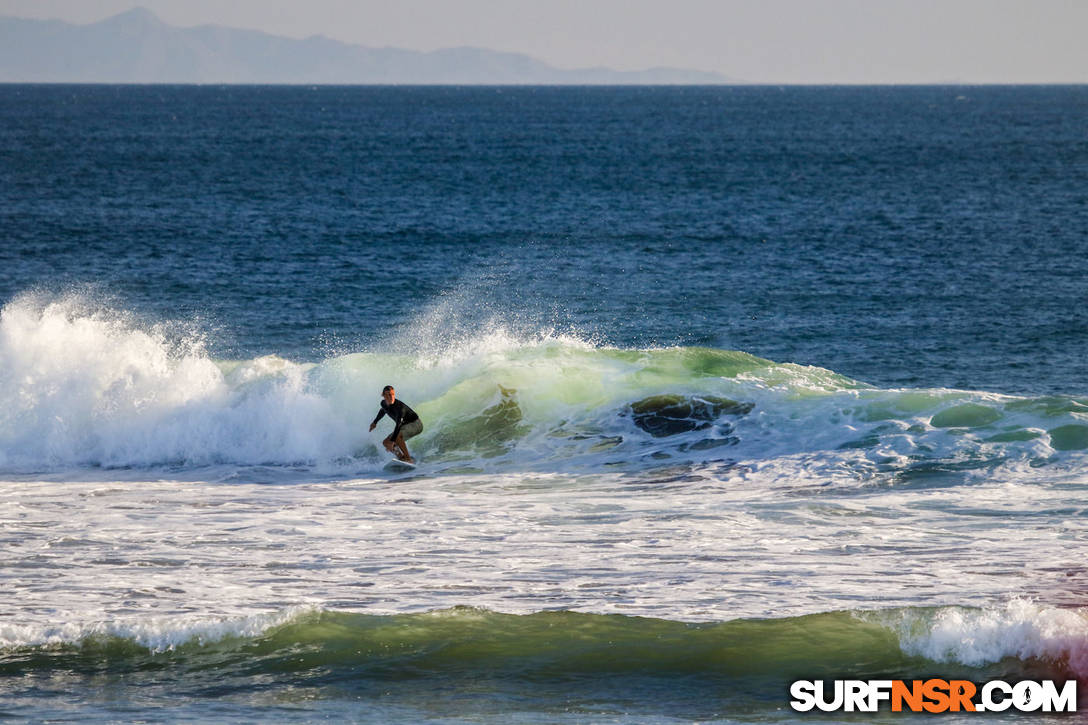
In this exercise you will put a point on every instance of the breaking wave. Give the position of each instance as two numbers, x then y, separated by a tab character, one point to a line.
84	387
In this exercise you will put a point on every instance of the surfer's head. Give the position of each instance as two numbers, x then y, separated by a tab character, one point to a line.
389	394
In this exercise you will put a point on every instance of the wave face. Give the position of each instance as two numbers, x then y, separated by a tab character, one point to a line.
83	386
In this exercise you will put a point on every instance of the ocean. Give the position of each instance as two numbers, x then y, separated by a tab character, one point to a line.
722	388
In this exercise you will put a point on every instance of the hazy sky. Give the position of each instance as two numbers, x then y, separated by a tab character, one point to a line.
773	41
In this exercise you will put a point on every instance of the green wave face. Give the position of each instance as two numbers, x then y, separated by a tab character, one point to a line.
564	644
562	396
561	400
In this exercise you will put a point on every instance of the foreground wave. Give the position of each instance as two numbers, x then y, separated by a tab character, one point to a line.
681	667
82	386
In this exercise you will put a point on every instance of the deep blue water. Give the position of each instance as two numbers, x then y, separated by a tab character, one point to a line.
904	236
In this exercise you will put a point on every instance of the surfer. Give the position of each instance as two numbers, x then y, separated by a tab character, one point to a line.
406	424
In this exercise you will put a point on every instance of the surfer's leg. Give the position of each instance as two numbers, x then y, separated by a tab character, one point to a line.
403	454
410	430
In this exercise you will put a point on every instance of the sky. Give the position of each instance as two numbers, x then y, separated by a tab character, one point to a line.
762	41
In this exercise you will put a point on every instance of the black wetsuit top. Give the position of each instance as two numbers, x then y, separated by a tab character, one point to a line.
399	412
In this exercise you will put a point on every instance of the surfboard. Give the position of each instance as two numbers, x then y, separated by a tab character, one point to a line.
399	466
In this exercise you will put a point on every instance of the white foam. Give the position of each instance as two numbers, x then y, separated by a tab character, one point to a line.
157	634
84	386
1018	628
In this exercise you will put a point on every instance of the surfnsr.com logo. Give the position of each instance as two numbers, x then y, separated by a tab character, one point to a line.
933	695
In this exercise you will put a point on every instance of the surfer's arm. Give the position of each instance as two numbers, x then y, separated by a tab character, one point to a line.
373	423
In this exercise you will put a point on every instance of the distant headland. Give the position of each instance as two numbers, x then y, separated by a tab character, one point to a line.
137	47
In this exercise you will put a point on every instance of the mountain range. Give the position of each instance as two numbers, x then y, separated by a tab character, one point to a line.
137	47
